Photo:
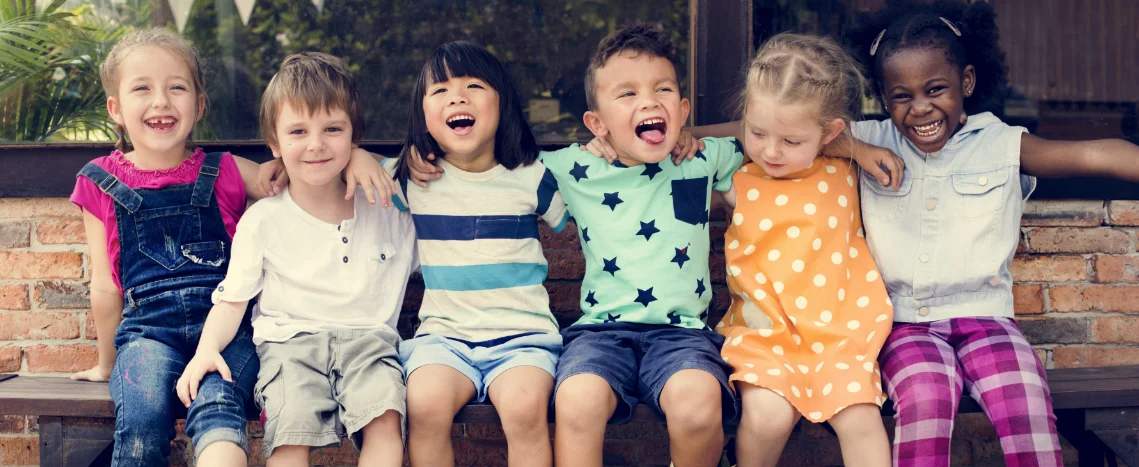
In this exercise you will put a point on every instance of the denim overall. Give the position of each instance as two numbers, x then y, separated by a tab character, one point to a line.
173	254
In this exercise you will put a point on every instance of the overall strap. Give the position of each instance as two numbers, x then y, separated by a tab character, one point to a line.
112	186
207	175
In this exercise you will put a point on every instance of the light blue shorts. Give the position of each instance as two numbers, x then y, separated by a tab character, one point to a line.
482	362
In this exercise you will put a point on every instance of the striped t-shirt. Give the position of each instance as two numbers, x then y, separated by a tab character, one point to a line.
480	256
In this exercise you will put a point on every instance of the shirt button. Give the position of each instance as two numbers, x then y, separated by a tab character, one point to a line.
930	204
923	258
983	181
344	239
924	311
383	257
221	288
345	259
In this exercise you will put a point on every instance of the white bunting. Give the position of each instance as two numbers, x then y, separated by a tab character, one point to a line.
244	8
319	5
181	10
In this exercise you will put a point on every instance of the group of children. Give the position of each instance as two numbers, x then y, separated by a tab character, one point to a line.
848	284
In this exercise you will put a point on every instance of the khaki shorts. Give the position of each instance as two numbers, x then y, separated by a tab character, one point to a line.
315	389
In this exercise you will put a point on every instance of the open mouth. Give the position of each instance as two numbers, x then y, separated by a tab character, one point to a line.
462	123
928	130
161	123
652	130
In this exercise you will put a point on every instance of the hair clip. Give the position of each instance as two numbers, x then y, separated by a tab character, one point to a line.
877	40
951	26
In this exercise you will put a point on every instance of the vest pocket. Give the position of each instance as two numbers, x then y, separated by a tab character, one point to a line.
982	193
884	203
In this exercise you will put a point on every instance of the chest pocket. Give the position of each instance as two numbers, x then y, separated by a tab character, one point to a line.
981	193
379	268
690	200
166	234
884	203
500	235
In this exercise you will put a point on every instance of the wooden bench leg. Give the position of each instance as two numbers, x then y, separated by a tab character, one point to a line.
1117	429
71	442
1072	426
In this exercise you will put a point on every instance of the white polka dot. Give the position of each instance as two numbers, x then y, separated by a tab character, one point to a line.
878	400
737	340
809	208
778	286
881	318
801	302
823	187
794	320
719	325
863	301
774	372
743	169
827	389
860	357
871	276
765	333
878	385
848	273
820	324
854	387
765	225
798	340
852	325
836	258
797	266
860	233
749	365
803	369
773	255
817	244
842	200
826	316
793	232
778	392
781	200
752	194
868	366
777	350
831	169
737	218
751	378
735	244
817	347
820	280
815	415
735	270
870	337
819	367
759	295
842	366
841	294
796	180
749	250
852	216
853	252
788	367
795	391
759	277
849	180
832	222
848	238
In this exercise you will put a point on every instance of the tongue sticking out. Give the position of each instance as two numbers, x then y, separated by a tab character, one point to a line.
652	136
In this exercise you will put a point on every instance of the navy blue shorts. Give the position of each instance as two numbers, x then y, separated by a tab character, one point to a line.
638	359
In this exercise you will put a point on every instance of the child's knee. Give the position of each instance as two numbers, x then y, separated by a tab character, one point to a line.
389	424
858	421
765	413
525	411
427	407
691	399
581	401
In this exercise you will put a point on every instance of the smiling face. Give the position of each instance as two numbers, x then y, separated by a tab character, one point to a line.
315	146
462	116
639	107
157	101
925	95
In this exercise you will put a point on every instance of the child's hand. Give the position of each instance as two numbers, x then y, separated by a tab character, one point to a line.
601	148
686	147
420	170
202	364
97	374
272	177
370	175
875	159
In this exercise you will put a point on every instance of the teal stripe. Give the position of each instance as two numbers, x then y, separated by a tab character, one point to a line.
483	276
561	225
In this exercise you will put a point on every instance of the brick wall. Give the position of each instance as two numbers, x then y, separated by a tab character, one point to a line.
1077	279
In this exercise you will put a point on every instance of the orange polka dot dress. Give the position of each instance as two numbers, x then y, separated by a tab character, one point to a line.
809	310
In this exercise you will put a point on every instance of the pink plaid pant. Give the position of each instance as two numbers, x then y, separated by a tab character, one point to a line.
926	367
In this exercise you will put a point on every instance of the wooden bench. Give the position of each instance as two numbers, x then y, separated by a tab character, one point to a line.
1097	411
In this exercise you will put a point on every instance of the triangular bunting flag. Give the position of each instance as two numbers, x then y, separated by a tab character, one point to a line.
244	8
181	10
319	5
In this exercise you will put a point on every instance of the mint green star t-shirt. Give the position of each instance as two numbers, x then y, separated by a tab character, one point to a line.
644	232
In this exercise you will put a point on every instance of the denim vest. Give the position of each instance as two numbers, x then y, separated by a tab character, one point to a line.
945	240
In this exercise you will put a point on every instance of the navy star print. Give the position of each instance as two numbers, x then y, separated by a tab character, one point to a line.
651	170
585	233
578	172
673	318
645	297
680	257
700	155
590	299
648	229
612	318
611	266
700	287
612	200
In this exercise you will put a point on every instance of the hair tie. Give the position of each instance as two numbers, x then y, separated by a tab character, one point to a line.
877	40
951	25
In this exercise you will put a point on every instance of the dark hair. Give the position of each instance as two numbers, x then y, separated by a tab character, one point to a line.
514	143
637	38
312	81
910	24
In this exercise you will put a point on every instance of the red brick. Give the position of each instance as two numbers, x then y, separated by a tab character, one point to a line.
19	451
13	424
1028	299
1076	240
1022	245
23	325
22	208
65	230
61	358
15	234
717	231
1117	269
564	240
14	297
565	297
53	295
35	265
1115	329
89	331
1119	298
10	359
1049	269
565	264
1073	213
1082	356
718	265
1123	212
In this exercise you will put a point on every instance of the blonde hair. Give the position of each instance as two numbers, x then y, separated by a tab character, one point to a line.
109	72
312	81
797	68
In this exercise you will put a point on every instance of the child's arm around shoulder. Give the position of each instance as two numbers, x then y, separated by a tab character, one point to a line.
106	300
1113	158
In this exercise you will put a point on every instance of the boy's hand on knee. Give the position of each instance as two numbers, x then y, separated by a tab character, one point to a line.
201	365
97	374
